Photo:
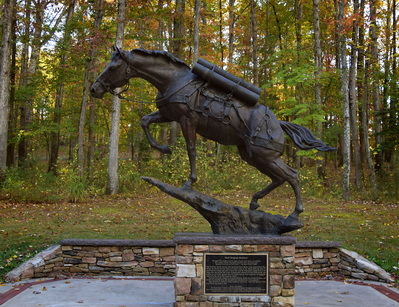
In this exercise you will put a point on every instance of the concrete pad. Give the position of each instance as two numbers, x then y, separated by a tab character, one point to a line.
98	292
325	293
159	291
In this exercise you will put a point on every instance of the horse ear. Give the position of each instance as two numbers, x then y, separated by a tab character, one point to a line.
122	54
115	48
120	51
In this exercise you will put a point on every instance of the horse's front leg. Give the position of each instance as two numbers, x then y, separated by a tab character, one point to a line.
146	121
188	127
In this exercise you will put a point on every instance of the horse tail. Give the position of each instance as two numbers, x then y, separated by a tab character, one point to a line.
303	137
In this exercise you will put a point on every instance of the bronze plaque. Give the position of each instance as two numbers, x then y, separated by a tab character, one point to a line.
236	273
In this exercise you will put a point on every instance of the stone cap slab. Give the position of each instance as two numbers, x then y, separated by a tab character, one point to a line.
209	238
98	242
318	244
205	238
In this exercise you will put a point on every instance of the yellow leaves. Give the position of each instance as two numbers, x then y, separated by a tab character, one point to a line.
12	258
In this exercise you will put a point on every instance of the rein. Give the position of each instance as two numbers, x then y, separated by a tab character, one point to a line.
120	96
126	88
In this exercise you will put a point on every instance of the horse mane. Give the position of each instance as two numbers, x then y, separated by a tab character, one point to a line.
165	54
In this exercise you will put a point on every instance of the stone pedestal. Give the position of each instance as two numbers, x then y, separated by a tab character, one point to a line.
191	276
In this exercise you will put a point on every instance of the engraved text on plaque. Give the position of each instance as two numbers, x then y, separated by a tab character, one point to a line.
236	273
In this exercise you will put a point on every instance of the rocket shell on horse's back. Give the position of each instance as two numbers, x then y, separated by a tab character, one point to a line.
247	93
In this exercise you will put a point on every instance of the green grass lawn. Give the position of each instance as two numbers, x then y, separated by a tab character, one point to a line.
368	228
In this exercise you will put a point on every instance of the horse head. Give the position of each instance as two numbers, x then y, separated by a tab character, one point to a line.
116	74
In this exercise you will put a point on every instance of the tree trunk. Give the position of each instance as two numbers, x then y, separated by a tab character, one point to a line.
296	159
197	8
99	6
360	83
278	24
26	116
353	98
178	51
337	34
390	86
320	163
178	29
5	66
365	129
363	96
231	32
55	135
41	35
254	40
113	180
161	27
345	98
375	71
13	110
394	77
91	137
221	29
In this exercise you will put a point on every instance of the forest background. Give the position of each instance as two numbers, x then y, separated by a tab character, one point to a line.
331	66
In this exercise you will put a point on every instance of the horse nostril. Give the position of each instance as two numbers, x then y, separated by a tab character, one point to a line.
93	92
93	89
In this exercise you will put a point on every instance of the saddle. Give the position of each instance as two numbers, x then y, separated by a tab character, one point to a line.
225	102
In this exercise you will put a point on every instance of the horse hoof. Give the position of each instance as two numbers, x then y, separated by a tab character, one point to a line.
186	186
166	150
253	206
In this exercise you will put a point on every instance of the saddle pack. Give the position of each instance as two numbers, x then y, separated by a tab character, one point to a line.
245	92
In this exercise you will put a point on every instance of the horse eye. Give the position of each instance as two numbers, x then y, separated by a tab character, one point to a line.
114	66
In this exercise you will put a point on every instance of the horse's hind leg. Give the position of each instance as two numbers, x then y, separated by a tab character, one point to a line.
293	179
278	171
146	121
276	182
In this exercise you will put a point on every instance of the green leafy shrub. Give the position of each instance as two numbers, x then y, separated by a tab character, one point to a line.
73	187
29	185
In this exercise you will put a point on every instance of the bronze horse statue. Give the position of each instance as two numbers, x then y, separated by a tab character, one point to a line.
200	107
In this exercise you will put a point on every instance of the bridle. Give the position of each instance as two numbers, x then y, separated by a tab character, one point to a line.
108	88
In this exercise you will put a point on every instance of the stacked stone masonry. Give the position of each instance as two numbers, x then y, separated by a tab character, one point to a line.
117	260
189	287
157	258
317	259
